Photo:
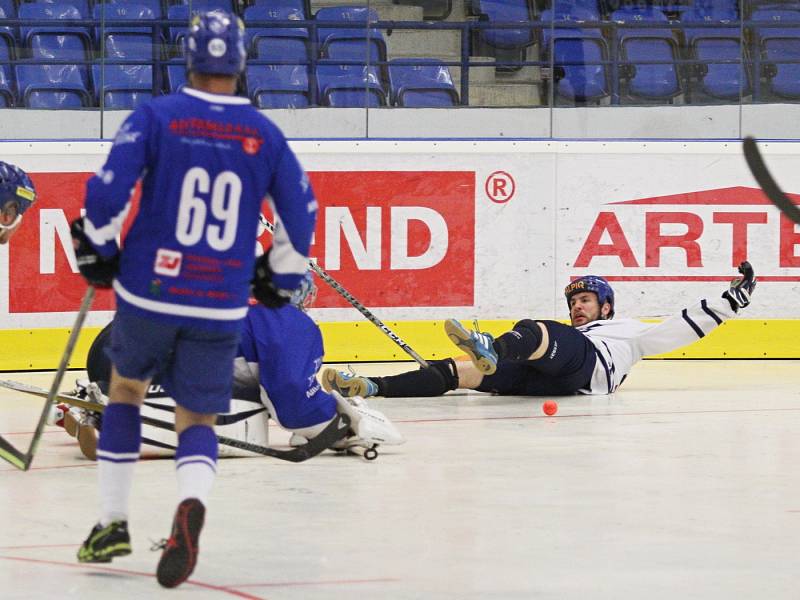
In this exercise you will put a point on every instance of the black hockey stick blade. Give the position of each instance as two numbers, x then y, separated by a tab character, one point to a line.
767	183
333	432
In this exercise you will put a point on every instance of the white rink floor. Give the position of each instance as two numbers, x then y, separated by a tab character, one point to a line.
685	484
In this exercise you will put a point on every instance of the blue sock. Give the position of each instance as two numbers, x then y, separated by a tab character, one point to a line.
117	453
196	462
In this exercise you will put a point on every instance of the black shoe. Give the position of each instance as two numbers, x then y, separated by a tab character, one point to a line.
180	550
104	543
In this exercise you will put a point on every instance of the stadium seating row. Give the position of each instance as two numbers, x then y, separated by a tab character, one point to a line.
423	83
645	52
639	52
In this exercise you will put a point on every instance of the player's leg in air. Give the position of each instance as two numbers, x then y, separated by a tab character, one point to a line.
535	358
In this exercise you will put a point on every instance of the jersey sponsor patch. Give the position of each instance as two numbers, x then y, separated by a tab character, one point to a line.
168	262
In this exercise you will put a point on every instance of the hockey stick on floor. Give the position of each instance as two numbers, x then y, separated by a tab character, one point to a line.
333	432
355	303
7	451
768	185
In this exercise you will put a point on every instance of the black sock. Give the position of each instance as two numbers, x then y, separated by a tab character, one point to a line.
439	377
520	342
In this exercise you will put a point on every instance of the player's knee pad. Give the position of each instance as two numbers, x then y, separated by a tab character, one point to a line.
446	369
530	325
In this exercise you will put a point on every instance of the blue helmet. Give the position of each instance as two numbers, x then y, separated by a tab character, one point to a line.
215	44
15	187
305	294
592	283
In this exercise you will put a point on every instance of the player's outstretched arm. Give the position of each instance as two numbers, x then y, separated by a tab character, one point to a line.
741	288
696	321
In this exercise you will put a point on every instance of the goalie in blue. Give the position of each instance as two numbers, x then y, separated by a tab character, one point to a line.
275	370
206	159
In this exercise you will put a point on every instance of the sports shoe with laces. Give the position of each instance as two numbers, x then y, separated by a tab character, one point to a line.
478	346
105	543
348	385
180	550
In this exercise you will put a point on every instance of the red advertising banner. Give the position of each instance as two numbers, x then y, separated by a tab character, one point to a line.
392	238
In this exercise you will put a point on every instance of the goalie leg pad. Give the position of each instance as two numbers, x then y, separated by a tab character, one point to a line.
370	427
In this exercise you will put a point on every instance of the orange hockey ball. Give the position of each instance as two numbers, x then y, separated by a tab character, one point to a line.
550	407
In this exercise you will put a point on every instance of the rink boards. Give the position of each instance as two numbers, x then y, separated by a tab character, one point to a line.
491	230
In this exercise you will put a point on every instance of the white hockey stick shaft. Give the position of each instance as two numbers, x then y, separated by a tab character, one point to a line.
356	304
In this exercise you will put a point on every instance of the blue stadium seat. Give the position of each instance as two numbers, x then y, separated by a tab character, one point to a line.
8	38
153	5
421	83
9	8
651	53
579	52
725	80
206	5
349	43
280	43
81	5
6	93
178	12
122	86
52	86
279	86
349	86
776	45
120	41
505	10
58	41
175	75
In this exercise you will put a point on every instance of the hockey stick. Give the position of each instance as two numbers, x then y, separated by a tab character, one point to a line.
333	432
355	303
768	185
7	451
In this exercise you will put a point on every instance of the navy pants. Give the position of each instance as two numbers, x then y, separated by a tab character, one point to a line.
565	368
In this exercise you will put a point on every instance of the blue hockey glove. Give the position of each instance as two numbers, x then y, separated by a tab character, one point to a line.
741	288
98	271
264	290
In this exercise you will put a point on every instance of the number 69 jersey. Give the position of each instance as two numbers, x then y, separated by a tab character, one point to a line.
207	162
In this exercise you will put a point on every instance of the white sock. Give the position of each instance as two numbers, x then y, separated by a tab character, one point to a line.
115	486
195	480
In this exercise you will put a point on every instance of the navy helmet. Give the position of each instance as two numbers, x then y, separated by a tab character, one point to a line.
592	283
215	44
17	193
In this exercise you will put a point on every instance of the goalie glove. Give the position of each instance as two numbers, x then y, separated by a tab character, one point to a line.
741	288
98	271
264	289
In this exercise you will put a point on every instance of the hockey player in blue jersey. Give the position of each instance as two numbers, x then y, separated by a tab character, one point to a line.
206	160
17	194
275	369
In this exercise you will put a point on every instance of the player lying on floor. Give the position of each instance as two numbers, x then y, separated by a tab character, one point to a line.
275	371
547	358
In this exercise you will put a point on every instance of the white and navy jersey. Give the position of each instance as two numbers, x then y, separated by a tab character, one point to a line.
621	343
206	163
281	351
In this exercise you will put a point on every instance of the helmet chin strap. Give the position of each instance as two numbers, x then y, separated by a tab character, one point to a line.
13	224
